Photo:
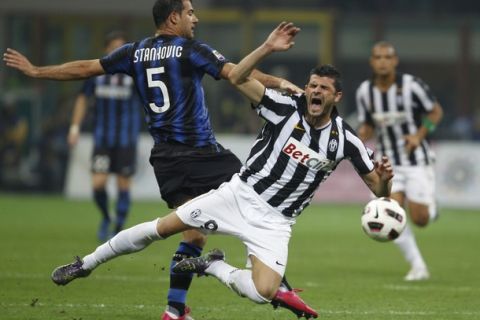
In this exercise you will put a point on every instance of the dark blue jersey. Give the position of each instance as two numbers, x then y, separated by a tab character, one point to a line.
117	110
168	71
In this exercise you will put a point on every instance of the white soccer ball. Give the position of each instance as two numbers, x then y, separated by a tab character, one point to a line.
383	219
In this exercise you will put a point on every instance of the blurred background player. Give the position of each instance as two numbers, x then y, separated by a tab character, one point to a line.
115	135
400	109
187	159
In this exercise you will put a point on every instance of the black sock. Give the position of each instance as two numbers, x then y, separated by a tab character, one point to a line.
285	283
101	199
123	205
180	282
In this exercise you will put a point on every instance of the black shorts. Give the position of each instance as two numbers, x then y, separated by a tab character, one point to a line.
118	160
184	172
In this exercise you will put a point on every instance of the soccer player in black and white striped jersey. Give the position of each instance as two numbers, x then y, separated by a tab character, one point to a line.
301	143
167	70
400	109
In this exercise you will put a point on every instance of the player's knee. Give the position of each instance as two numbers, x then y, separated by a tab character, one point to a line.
241	282
194	237
266	291
420	220
419	214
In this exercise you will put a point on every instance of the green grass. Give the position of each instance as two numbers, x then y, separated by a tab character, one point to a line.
345	274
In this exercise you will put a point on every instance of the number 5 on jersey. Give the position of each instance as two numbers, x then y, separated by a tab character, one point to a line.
158	84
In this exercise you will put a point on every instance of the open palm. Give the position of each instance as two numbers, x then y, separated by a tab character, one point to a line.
18	61
281	39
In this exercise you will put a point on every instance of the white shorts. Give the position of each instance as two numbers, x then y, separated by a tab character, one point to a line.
417	183
236	209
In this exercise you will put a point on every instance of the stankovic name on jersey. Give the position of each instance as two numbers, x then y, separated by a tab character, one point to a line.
151	54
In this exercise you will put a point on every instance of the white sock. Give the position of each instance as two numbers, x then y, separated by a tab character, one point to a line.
240	281
408	246
127	241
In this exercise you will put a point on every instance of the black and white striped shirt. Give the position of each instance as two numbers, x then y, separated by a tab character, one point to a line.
396	113
290	158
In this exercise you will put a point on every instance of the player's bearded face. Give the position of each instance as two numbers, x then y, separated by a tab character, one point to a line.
321	95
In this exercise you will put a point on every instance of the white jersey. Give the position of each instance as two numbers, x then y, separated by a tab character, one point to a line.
394	114
290	158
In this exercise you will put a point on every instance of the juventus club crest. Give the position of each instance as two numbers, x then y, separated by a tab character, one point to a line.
333	145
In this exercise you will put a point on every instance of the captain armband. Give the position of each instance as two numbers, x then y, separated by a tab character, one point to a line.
429	125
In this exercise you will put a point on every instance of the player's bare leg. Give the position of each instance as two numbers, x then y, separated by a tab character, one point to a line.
258	284
127	241
261	284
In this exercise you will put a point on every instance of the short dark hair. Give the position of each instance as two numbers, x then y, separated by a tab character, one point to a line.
384	44
163	8
329	71
114	35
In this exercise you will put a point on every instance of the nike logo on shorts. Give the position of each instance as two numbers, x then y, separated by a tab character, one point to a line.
279	264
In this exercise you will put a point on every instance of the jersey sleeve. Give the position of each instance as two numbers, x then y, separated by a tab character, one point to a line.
359	155
422	95
88	87
276	106
207	59
119	61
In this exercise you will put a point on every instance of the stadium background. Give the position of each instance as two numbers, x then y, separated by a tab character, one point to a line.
345	274
436	40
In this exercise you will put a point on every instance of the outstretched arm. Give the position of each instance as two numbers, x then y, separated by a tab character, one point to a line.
267	80
380	179
74	70
281	39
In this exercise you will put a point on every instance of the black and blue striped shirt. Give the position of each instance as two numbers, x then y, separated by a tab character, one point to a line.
167	71
117	110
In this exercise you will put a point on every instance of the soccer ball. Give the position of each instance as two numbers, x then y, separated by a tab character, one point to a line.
383	219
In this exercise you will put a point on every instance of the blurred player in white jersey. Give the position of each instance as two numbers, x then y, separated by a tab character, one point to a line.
401	111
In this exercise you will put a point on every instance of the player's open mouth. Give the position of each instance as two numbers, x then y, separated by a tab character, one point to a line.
316	102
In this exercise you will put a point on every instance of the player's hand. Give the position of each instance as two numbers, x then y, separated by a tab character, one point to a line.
289	87
412	141
73	135
72	139
281	38
18	61
384	169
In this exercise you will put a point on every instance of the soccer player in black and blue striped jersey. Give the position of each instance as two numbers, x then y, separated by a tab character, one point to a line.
301	143
188	161
116	127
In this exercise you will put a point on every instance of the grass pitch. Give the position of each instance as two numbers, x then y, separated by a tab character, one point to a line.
345	274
